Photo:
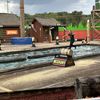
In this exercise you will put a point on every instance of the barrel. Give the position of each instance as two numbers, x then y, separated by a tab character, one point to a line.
97	4
68	52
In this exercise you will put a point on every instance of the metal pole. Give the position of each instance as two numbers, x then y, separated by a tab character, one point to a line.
7	6
22	18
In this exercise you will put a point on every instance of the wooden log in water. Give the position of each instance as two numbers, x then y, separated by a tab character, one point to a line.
12	59
39	56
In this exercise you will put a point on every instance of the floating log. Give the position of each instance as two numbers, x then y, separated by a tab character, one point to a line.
39	56
12	59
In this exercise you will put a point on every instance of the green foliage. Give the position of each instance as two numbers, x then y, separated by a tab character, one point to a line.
73	21
71	27
61	29
79	27
28	19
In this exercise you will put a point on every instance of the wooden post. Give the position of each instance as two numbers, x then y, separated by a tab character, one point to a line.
78	89
88	30
22	18
50	36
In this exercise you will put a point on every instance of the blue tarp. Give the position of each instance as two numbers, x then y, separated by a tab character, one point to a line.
21	40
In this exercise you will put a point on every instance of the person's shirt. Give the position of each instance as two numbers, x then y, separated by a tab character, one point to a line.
72	37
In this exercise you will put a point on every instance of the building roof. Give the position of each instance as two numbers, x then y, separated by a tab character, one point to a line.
9	20
48	21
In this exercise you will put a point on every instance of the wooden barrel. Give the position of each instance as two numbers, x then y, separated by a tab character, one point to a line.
68	52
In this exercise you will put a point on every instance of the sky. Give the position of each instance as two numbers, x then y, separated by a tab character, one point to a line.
42	6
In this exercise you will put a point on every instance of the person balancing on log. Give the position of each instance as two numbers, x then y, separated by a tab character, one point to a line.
72	39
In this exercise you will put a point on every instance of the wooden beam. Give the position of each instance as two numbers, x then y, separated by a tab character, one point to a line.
22	18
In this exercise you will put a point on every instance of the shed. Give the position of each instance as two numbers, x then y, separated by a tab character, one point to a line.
9	26
44	29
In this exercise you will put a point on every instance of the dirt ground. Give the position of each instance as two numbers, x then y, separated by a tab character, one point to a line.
51	76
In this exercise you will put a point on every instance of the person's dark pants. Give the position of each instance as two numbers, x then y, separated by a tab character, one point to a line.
71	45
33	44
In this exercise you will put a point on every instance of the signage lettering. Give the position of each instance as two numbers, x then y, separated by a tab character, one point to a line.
63	62
59	62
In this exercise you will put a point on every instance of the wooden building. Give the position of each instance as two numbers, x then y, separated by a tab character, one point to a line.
9	26
44	29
